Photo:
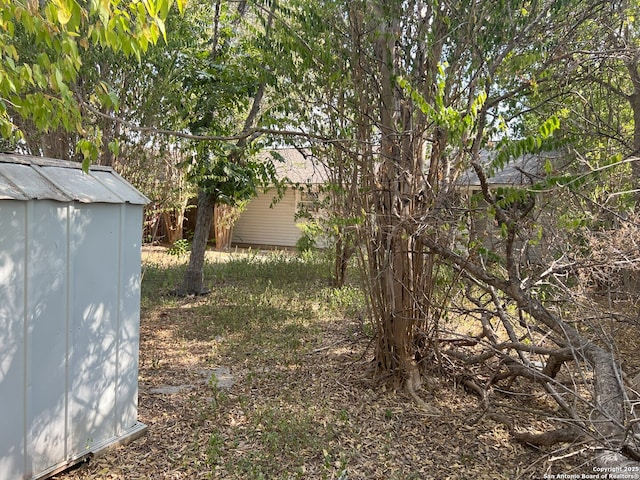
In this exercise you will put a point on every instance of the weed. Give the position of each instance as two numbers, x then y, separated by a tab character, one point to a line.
158	279
262	313
343	415
179	248
348	299
215	448
219	396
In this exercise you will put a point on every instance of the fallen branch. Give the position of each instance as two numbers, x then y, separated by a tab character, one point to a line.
561	435
608	418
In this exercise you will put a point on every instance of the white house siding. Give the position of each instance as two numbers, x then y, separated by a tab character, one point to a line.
261	224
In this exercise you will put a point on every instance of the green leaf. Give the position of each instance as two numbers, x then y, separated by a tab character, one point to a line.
113	98
64	16
151	8
59	80
161	26
104	11
39	77
89	152
86	163
114	147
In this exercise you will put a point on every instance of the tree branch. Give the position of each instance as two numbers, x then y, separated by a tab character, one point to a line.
251	132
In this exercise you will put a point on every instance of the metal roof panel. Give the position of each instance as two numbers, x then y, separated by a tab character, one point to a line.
78	185
23	183
25	177
120	187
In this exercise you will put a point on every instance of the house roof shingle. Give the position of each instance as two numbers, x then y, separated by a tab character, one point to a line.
524	170
298	166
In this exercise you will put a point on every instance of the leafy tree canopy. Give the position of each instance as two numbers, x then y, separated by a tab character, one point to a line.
41	45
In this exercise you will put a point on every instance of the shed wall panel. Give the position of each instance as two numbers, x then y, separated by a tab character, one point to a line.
94	253
46	334
129	324
12	351
261	224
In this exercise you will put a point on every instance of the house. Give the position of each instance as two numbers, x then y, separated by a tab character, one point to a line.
525	170
536	237
271	222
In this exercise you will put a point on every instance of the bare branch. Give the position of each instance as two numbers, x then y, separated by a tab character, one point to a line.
250	132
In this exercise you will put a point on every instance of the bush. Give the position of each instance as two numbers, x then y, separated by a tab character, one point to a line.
179	248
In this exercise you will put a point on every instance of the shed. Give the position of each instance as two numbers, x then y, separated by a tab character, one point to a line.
69	313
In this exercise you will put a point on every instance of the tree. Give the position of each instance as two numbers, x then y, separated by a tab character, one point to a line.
221	179
230	82
149	115
37	84
607	85
424	76
430	86
250	73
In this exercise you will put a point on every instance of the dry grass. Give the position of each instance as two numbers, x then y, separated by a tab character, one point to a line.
301	405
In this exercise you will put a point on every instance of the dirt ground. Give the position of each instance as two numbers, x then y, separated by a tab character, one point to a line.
308	413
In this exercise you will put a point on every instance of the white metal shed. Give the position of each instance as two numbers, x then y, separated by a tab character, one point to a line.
69	313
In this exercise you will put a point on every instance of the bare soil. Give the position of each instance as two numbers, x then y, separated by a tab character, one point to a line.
305	410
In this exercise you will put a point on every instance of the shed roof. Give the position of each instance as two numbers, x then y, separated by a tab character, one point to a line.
24	177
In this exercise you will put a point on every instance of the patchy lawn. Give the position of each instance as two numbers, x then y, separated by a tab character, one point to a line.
265	378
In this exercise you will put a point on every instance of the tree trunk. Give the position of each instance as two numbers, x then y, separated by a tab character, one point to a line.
398	268
344	251
173	225
394	347
193	281
223	225
58	144
609	397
